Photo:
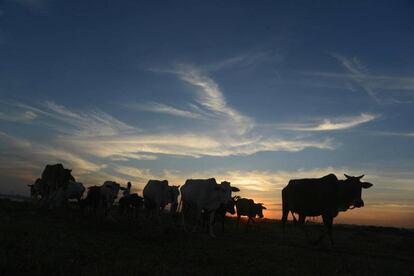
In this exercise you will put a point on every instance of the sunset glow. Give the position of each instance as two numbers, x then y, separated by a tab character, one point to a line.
252	95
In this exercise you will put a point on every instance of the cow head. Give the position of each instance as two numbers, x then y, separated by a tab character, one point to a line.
230	205
36	188
351	190
259	209
68	176
225	189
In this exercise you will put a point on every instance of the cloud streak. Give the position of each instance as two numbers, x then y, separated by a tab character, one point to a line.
335	124
165	109
371	84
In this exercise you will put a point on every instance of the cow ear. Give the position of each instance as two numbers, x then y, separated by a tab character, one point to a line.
264	208
30	185
178	186
347	176
366	185
235	189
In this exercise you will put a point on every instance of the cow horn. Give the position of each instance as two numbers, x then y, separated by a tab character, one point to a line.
361	176
347	176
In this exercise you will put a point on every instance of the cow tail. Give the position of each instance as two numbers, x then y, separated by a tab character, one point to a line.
180	205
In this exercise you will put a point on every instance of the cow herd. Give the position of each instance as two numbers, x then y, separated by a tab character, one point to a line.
203	201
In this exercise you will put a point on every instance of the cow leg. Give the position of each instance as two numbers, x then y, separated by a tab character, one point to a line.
222	223
198	217
158	213
295	221
285	214
301	223
211	224
136	206
327	221
183	212
238	221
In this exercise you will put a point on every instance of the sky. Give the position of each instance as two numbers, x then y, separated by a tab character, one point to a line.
252	92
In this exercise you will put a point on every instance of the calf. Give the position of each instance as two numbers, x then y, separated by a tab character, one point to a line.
247	207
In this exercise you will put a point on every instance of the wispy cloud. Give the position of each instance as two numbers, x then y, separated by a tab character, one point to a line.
193	145
358	71
25	116
80	136
248	59
333	124
372	84
210	97
91	123
135	174
33	5
22	153
163	108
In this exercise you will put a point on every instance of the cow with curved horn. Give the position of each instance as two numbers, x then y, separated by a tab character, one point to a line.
326	197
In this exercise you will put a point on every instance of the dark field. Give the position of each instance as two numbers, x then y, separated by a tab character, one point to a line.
65	242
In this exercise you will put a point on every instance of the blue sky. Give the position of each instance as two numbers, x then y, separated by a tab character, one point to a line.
252	92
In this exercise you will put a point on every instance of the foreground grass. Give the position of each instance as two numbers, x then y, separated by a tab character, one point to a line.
34	242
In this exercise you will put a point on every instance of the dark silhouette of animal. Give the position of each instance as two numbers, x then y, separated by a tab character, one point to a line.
220	214
326	197
247	207
93	199
52	185
130	203
204	195
109	192
157	194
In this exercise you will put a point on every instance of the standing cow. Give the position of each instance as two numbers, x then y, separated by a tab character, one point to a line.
109	192
326	197
247	207
205	195
157	194
220	213
52	185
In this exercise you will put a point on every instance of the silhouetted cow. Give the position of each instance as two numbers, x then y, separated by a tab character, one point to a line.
326	197
93	199
132	202
247	207
221	212
204	195
52	185
157	194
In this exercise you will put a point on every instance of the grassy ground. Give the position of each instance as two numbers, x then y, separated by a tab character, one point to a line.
65	243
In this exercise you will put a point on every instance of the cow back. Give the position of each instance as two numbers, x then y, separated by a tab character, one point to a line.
200	193
54	177
156	193
312	196
245	207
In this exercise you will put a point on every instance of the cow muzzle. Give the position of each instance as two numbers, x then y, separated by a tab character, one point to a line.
357	204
